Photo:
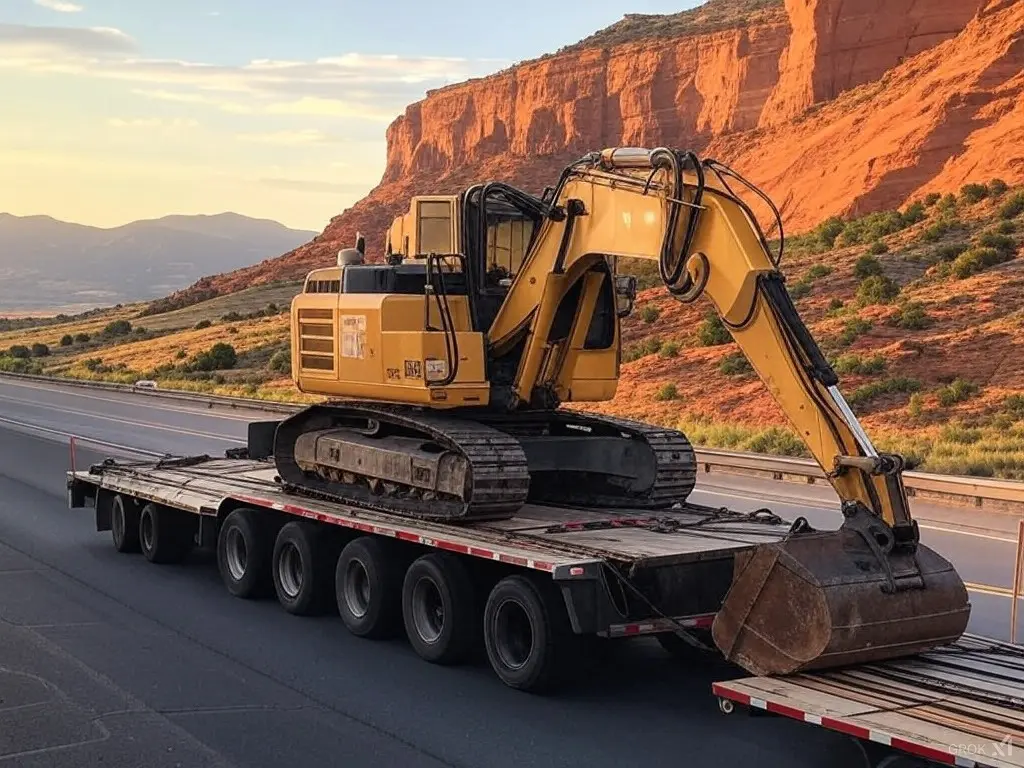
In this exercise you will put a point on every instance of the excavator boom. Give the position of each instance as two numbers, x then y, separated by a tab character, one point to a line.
500	360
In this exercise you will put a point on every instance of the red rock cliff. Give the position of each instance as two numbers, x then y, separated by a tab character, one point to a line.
832	106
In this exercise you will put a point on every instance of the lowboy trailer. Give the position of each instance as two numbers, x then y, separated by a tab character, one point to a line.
536	583
536	586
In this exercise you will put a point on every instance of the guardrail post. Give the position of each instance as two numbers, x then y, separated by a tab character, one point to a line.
1018	575
71	446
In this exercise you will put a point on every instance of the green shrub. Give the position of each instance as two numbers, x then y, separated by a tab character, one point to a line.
202	324
816	271
931	199
877	289
1001	242
973	193
956	392
669	349
855	364
827	232
181	354
853	329
896	384
667	392
712	332
20	351
871	227
912	316
997	187
216	358
866	266
914	213
1013	207
977	260
1014	404
948	252
946	204
81	338
835	304
778	442
117	328
649	313
67	340
20	365
1006	227
916	405
281	361
648	346
799	289
877	247
735	364
40	350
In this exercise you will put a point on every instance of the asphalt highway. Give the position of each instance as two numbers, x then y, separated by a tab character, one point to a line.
107	659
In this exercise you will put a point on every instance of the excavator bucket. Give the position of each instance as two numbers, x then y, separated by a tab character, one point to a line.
820	600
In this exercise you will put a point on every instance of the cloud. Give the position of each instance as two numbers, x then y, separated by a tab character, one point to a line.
60	7
47	45
356	86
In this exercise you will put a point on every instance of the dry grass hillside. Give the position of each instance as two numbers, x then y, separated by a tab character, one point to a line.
920	310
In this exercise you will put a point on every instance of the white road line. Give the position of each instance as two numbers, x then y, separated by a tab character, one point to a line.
133	422
138	401
86	440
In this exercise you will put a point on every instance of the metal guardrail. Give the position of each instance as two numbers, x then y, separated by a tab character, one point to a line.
978	492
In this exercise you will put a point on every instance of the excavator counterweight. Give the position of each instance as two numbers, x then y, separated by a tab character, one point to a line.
446	369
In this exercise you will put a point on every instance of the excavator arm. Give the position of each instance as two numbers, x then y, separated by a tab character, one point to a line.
818	599
604	207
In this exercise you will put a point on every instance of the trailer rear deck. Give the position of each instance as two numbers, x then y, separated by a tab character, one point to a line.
961	705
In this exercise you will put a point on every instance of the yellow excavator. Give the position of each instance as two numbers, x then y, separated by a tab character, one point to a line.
446	366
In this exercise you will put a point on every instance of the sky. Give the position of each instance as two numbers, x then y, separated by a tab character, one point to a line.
117	110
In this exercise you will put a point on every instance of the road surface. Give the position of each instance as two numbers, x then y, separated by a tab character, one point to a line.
108	658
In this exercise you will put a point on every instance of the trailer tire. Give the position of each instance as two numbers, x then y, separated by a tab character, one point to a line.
527	634
368	588
301	568
124	524
163	534
243	554
439	583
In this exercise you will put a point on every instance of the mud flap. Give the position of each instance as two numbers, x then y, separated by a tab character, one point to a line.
820	600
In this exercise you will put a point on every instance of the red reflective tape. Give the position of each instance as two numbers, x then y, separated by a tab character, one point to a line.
929	753
848	728
782	709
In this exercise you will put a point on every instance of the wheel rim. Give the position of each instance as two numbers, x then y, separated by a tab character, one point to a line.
289	570
513	634
237	555
118	521
427	610
357	588
147	531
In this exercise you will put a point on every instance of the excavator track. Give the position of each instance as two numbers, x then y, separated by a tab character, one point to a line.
491	462
671	457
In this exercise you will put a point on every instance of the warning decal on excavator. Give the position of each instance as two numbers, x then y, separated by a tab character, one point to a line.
353	335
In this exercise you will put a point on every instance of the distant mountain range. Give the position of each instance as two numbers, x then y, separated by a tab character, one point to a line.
46	264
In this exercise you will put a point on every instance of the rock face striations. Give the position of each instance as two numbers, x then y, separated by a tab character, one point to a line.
831	106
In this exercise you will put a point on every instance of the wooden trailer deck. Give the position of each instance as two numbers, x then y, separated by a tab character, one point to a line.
542	537
960	705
